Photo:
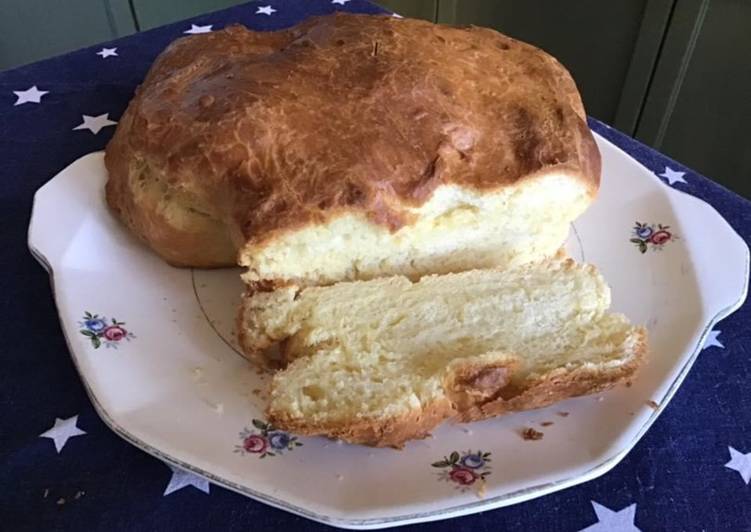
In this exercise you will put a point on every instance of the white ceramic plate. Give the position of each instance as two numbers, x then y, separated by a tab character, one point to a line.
163	371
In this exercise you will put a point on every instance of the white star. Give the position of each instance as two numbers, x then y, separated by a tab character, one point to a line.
95	123
740	462
340	2
265	10
107	52
610	521
32	95
181	478
198	29
62	431
673	176
712	340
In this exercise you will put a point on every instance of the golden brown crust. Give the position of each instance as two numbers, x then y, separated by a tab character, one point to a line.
391	432
557	385
475	392
261	133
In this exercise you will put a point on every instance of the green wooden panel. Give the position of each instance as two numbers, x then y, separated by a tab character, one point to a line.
654	26
36	29
699	106
153	13
594	39
425	9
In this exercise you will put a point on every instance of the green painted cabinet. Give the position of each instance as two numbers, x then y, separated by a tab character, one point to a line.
698	109
36	29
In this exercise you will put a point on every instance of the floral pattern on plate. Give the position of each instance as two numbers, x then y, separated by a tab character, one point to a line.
101	331
645	236
464	469
265	440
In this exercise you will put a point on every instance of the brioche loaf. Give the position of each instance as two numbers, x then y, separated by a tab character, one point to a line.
383	361
352	147
390	154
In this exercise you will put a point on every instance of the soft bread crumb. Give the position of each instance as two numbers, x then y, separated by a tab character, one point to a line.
458	229
447	314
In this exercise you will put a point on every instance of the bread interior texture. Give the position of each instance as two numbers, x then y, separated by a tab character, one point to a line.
457	229
385	348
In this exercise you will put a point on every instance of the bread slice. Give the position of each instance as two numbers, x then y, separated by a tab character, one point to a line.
384	361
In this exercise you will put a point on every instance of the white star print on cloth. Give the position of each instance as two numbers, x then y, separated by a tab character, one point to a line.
673	176
107	52
181	478
62	431
95	123
198	29
340	2
32	95
265	10
740	462
712	340
610	521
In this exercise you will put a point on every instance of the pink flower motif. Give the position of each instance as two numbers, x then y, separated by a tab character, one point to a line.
114	333
255	444
660	237
462	475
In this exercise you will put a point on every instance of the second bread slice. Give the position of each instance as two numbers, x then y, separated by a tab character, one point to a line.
384	361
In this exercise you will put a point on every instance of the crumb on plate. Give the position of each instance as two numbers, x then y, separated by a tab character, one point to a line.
531	434
481	489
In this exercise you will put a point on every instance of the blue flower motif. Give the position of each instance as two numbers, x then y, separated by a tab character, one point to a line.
643	232
95	325
473	461
279	440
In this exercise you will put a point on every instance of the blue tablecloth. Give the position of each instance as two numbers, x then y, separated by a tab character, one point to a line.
690	472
